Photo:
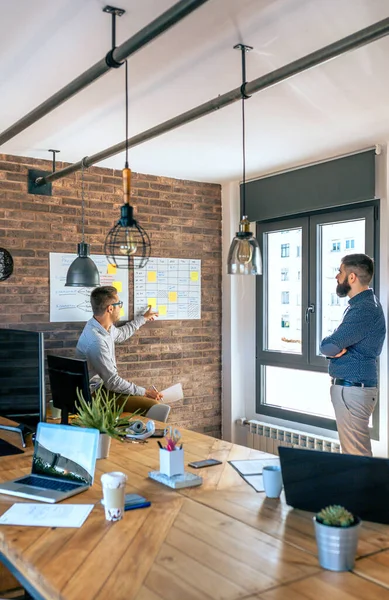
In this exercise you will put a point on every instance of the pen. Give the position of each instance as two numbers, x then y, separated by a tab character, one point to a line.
155	389
159	444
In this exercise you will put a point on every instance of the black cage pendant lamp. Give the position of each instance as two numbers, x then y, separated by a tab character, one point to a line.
244	256
127	245
83	271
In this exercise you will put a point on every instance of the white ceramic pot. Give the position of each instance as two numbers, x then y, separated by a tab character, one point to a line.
103	445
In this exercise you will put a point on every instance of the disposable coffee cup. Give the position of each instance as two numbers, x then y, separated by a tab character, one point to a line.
272	481
114	487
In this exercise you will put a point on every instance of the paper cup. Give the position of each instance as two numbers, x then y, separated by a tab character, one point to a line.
272	481
114	487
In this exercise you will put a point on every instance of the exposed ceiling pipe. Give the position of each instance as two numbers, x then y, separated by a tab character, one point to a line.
356	40
169	18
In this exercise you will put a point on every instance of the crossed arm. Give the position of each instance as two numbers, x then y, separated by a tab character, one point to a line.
354	327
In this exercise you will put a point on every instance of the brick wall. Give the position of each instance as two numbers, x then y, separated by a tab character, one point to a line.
183	219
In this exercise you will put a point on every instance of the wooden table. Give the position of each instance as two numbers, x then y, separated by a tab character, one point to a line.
218	541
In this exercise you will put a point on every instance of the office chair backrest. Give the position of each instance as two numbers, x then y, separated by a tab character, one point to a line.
66	375
159	412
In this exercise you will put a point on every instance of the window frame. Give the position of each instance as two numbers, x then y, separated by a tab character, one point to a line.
310	293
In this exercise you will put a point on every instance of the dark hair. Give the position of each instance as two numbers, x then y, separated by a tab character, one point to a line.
101	297
360	264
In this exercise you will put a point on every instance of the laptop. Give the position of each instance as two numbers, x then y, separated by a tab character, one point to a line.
313	480
63	464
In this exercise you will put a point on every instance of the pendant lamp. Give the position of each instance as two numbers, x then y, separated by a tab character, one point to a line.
83	271
244	256
127	245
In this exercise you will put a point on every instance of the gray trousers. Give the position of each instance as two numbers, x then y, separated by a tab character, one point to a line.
353	407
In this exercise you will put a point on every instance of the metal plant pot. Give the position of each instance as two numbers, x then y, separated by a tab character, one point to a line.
103	445
337	546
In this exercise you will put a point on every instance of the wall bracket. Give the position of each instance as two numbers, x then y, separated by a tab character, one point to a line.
33	188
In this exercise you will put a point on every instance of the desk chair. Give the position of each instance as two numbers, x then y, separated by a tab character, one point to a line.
159	412
66	375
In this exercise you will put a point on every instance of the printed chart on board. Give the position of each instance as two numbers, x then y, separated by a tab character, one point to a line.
172	286
70	304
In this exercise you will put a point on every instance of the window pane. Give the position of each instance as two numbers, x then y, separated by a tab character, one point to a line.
336	242
283	319
302	391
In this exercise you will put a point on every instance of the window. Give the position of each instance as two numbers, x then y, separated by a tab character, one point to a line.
298	252
334	300
285	321
350	244
284	250
335	247
284	274
284	297
291	375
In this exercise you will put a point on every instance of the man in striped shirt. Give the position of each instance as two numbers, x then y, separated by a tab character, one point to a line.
352	350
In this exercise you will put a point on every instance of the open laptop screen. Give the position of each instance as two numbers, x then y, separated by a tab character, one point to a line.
65	452
313	480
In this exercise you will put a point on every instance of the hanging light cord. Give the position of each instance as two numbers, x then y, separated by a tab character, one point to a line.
126	81
83	166
243	158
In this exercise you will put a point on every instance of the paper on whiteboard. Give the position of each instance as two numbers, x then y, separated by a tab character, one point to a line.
173	393
46	515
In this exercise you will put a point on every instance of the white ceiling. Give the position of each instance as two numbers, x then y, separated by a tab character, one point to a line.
339	106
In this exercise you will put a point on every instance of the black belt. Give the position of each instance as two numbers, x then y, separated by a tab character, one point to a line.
344	382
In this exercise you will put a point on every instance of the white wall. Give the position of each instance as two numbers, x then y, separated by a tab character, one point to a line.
238	326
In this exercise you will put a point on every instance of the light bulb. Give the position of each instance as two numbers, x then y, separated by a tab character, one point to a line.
130	246
245	252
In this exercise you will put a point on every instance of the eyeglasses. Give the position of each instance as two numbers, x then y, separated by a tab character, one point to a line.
119	304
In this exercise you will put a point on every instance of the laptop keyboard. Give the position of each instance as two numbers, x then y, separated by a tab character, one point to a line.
48	484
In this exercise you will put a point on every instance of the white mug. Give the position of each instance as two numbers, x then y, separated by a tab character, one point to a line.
272	480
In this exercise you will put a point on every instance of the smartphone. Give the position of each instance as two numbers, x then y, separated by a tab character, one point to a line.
159	433
199	464
132	501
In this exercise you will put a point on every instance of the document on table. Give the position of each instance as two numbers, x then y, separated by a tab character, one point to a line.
251	470
172	394
46	515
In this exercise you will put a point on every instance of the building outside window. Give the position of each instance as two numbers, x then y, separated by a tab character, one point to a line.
285	250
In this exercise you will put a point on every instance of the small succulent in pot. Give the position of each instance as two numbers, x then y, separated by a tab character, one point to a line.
335	516
336	531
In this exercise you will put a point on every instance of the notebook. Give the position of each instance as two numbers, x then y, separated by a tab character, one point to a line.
63	464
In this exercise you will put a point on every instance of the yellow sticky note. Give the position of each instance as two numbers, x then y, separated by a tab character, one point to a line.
172	296
111	269
162	309
118	285
122	312
194	275
152	276
152	302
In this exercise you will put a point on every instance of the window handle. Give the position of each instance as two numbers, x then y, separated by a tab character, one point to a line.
309	309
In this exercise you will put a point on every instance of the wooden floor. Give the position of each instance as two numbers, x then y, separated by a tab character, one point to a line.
219	541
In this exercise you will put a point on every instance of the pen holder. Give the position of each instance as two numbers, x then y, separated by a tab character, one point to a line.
171	462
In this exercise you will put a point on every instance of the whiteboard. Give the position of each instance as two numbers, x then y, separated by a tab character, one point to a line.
70	304
172	286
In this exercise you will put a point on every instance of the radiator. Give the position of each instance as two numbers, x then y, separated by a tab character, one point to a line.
265	437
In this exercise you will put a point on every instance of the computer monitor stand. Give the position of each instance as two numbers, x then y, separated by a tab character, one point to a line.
19	428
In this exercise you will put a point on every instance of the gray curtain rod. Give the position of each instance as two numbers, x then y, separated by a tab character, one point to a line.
356	40
169	18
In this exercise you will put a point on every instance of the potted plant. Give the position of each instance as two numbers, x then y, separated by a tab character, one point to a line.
336	531
102	414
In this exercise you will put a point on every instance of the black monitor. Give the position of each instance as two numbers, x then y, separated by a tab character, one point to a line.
66	375
22	379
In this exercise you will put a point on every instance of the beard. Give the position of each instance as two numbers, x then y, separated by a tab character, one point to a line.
342	289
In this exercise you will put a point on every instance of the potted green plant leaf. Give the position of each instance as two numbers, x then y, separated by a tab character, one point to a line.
103	414
336	531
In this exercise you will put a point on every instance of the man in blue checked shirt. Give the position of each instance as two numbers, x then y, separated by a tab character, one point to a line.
352	350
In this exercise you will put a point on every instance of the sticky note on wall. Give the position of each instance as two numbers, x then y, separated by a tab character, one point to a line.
152	276
162	309
172	296
152	302
111	270
194	276
118	285
122	312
